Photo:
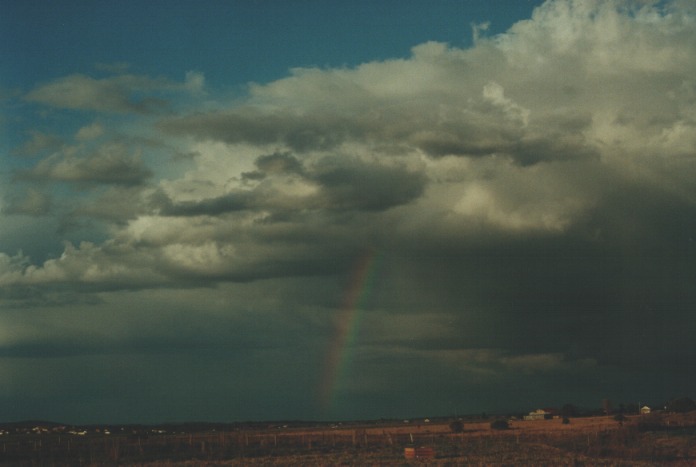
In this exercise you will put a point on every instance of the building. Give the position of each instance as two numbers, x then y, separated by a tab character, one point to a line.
540	414
644	410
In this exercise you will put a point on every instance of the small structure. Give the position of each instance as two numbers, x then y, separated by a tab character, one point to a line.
644	410
421	452
540	414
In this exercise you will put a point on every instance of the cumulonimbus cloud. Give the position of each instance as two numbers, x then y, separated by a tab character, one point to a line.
531	132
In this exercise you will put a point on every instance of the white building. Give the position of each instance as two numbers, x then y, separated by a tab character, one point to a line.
539	414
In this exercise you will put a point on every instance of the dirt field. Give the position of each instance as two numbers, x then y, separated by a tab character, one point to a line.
639	441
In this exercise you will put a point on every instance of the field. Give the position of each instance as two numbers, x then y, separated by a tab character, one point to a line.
658	439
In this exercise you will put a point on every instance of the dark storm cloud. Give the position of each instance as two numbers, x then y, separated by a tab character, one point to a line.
274	163
525	150
584	296
279	162
351	185
208	207
31	297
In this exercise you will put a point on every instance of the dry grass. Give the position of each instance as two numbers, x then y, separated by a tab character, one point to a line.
640	441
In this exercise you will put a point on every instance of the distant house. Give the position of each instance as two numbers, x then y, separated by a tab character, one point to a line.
541	414
644	410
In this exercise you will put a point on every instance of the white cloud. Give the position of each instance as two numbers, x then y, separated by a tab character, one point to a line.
107	95
195	81
38	143
12	264
110	164
123	93
496	94
89	132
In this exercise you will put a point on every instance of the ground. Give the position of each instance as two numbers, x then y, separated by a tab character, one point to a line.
656	439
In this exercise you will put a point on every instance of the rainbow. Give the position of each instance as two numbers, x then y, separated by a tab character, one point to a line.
338	358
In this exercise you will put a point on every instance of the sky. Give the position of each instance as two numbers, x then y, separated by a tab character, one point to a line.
323	210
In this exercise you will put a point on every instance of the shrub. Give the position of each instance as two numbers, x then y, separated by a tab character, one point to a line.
500	424
566	420
457	426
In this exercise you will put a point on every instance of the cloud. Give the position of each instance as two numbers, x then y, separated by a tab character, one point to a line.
122	93
105	266
210	207
299	133
277	163
116	204
115	94
331	183
348	185
9	264
195	82
89	132
110	164
34	203
522	135
38	143
530	201
458	110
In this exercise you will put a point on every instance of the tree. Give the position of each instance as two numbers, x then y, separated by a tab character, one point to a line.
681	405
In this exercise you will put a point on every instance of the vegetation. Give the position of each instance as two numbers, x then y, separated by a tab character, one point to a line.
681	405
457	426
500	424
655	439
